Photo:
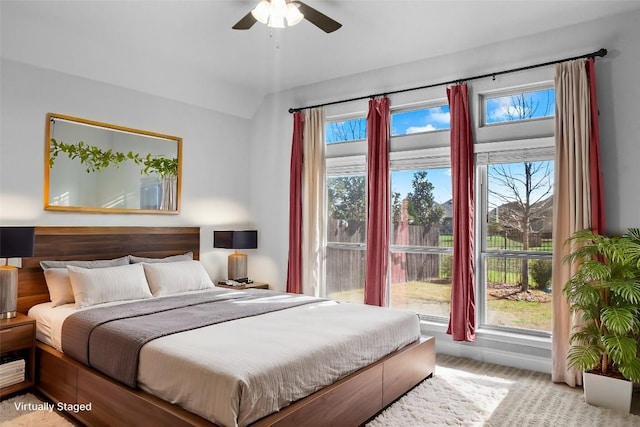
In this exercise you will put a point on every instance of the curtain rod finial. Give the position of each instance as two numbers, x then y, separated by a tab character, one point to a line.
601	53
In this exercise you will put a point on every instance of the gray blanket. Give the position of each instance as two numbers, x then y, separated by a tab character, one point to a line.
109	339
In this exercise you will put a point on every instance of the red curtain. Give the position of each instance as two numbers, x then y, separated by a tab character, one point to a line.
462	317
378	134
294	267
595	171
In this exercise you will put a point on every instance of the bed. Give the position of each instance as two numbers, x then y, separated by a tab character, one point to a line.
352	395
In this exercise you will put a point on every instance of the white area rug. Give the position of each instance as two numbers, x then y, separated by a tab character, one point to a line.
462	393
468	393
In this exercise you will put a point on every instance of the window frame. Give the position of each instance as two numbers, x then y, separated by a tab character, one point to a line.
345	118
416	106
424	159
408	151
516	90
539	149
336	167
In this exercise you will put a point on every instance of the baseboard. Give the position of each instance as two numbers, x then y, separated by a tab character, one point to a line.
499	357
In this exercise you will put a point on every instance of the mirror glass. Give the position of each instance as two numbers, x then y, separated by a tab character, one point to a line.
99	167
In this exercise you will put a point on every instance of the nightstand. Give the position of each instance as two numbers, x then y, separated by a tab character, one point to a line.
17	340
254	285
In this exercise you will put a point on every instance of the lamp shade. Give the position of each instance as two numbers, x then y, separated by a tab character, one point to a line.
16	242
245	239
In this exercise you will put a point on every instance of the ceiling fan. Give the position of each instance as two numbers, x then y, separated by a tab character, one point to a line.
275	13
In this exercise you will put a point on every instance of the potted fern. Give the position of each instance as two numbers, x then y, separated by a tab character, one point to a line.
605	292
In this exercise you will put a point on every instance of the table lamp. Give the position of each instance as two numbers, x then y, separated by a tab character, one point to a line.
15	242
237	263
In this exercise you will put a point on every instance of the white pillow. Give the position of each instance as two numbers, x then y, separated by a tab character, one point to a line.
173	277
98	263
100	285
173	258
60	290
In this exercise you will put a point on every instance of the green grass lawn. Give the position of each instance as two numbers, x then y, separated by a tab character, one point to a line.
433	299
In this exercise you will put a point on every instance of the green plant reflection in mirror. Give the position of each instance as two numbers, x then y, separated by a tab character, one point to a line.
98	167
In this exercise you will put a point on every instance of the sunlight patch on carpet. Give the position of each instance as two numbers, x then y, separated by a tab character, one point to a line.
450	398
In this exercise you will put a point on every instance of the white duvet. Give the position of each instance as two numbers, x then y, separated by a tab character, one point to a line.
237	372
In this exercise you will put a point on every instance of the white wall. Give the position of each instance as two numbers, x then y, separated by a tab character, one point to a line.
619	99
215	186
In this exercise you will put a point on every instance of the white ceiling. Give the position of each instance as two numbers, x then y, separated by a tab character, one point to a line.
186	49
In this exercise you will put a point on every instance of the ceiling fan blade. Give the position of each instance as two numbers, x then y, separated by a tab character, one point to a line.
317	18
245	23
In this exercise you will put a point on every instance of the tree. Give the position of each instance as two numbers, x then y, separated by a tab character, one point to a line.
524	195
347	201
521	192
348	130
525	107
423	210
396	206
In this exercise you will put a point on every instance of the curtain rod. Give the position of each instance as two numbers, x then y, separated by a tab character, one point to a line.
600	53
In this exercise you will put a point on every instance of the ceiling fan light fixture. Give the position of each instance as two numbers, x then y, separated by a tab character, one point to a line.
277	13
281	13
262	12
276	21
293	15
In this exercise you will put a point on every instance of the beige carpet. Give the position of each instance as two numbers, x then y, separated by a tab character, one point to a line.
469	393
463	393
26	410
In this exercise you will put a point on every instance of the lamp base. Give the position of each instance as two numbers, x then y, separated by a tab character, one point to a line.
237	266
8	292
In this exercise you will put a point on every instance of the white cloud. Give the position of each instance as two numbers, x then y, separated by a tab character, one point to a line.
503	108
439	116
418	129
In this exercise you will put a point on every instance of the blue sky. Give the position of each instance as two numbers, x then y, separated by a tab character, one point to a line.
416	121
537	104
440	178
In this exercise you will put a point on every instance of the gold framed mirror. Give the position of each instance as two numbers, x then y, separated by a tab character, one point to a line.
92	166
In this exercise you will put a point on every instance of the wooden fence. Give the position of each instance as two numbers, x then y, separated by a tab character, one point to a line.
345	267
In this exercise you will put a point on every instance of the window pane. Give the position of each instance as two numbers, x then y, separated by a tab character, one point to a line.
519	216
348	130
421	283
421	208
520	206
513	301
346	205
345	269
417	121
520	106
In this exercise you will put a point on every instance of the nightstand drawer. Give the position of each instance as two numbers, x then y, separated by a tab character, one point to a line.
16	337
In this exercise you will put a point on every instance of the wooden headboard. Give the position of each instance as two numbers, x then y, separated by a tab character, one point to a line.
90	243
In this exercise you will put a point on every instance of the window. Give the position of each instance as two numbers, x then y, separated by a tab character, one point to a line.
516	203
514	206
518	106
421	240
345	130
346	237
418	121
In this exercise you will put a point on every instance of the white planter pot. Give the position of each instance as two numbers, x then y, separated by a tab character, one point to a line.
607	392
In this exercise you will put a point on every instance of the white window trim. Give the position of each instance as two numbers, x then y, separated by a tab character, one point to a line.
421	105
516	151
517	144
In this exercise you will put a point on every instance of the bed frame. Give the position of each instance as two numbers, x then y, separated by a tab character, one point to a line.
349	402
